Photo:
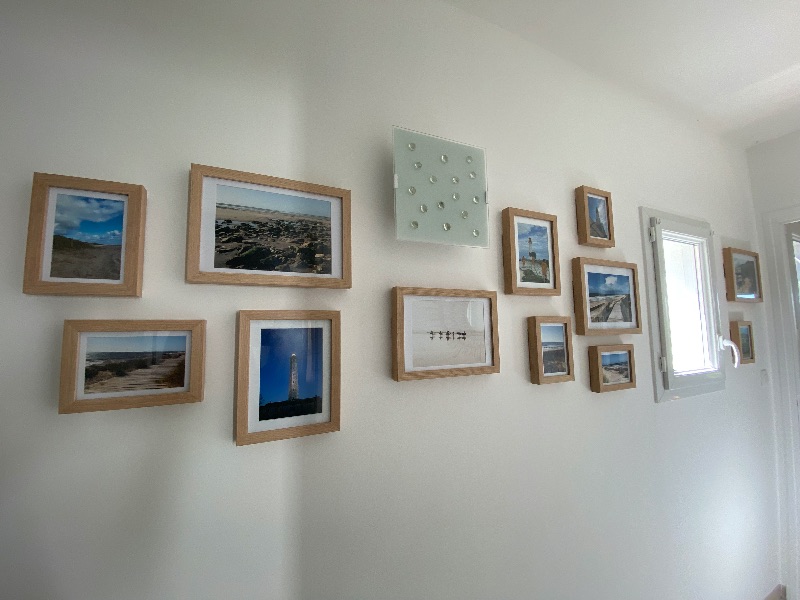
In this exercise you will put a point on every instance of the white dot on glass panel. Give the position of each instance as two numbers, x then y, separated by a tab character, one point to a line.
446	226
464	214
433	179
417	165
454	180
414	224
475	199
444	158
456	196
475	233
440	205
472	175
423	208
412	190
469	160
412	146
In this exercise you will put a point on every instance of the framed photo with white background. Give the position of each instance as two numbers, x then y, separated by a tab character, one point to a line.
606	295
530	253
595	217
550	349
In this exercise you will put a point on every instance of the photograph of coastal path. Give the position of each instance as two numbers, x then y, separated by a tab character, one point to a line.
554	350
87	238
616	367
609	297
269	230
448	332
598	217
291	372
534	252
136	364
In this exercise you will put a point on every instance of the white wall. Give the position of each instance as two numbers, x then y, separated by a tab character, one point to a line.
775	173
478	487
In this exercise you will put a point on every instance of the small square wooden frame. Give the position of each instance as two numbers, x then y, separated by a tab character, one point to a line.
399	371
580	295
736	338
34	281
196	273
596	368
68	401
536	351
510	259
243	434
585	236
730	275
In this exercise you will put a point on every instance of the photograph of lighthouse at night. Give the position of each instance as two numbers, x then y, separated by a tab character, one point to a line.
291	372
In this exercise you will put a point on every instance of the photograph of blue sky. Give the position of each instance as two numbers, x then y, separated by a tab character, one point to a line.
137	343
603	284
87	219
277	346
264	200
614	358
552	333
539	240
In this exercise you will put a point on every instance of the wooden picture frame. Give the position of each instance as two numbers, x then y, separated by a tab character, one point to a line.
281	356
742	275
606	296
530	253
742	336
595	217
551	336
109	365
428	324
251	229
611	368
85	237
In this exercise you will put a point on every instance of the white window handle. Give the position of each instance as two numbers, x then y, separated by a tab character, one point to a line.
726	343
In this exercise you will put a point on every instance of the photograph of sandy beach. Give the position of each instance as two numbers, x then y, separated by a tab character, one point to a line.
554	349
265	230
616	367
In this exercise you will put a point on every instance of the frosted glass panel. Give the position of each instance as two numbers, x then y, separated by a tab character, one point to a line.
440	190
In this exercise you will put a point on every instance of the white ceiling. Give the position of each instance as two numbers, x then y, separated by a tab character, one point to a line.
732	64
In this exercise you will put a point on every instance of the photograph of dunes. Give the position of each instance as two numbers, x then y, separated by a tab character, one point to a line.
87	237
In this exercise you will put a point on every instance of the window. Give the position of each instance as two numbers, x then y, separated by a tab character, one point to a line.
684	313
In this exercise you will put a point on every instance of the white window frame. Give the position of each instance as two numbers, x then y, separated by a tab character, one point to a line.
666	384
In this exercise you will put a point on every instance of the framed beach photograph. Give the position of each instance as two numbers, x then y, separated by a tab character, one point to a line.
595	217
611	368
742	336
443	333
550	349
288	373
742	275
85	237
250	229
606	295
108	365
530	253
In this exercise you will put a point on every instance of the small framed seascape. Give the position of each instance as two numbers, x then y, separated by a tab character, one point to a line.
85	237
595	217
250	229
530	253
108	365
288	372
550	349
606	295
742	336
443	333
742	275
611	368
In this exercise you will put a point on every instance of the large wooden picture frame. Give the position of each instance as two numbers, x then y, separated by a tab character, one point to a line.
611	368
742	336
288	374
443	333
251	229
595	217
85	237
108	365
606	295
530	253
742	275
550	349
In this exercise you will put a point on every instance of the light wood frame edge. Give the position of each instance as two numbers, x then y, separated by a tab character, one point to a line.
579	296
730	275
67	402
736	338
511	285
244	437
582	216
131	284
398	329
194	221
535	356
595	368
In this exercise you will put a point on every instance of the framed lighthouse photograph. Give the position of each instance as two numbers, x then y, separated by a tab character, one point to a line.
287	374
530	253
595	217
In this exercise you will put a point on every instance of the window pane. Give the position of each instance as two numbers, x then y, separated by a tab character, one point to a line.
689	336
